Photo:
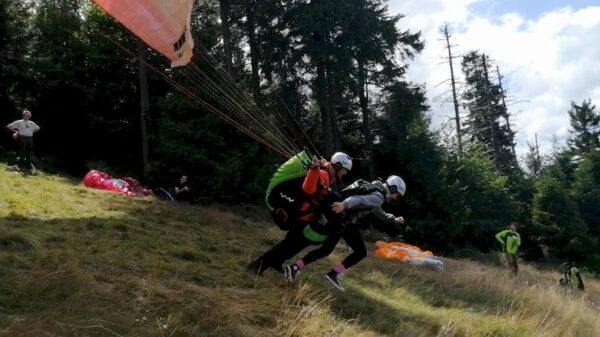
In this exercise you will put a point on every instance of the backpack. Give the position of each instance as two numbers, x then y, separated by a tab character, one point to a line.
362	187
284	193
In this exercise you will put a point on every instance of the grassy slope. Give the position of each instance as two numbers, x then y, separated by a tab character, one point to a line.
80	262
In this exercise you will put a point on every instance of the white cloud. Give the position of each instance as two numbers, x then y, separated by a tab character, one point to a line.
547	61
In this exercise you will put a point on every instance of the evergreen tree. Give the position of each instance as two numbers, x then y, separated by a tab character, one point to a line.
532	161
478	199
407	147
585	121
374	43
15	34
60	74
587	195
556	220
483	101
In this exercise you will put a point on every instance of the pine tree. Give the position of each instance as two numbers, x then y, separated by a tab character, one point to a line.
14	68
585	121
533	161
556	220
586	189
483	101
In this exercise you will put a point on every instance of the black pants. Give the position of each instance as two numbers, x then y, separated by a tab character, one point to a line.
293	243
26	151
352	237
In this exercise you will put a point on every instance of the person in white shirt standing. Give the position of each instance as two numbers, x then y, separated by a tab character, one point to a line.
23	130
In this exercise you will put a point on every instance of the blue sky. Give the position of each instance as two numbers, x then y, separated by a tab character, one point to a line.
547	50
529	9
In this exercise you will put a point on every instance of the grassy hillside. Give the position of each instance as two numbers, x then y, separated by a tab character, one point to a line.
80	262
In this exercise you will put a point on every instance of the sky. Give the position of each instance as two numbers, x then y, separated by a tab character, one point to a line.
548	52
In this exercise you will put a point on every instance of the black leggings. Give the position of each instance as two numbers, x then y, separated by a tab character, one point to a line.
352	237
293	243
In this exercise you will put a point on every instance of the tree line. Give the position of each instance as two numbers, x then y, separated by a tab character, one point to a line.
339	67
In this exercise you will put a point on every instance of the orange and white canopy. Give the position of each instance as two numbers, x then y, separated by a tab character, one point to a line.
407	253
163	24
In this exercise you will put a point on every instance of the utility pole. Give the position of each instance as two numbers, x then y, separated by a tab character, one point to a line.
490	112
506	117
144	105
455	100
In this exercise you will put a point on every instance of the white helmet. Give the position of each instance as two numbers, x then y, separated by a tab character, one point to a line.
340	159
396	184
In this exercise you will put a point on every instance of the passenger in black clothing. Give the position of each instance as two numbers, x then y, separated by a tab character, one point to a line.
182	191
365	199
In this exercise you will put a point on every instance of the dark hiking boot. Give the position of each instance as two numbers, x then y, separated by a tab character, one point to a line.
335	278
290	272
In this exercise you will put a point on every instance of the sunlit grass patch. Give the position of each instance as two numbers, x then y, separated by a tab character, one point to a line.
81	262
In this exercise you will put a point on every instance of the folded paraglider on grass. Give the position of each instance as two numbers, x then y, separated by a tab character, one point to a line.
126	185
407	253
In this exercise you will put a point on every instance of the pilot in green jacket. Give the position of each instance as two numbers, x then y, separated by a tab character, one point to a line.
510	240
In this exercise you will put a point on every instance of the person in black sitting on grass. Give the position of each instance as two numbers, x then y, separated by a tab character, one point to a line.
182	192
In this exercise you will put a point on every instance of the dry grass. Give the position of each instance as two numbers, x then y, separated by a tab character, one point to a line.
79	262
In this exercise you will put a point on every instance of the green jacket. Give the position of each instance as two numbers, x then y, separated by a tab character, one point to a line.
510	240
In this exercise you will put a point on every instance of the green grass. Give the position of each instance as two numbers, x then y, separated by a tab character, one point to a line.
81	262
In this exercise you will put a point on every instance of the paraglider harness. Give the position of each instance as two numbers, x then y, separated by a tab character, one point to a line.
284	194
359	217
362	187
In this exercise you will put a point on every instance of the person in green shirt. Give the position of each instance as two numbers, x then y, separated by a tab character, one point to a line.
572	275
510	241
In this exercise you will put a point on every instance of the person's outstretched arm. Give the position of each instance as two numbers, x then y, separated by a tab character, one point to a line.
387	223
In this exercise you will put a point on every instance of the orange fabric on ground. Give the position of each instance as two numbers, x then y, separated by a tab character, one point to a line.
400	251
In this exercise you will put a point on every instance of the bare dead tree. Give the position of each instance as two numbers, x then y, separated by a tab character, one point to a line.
453	82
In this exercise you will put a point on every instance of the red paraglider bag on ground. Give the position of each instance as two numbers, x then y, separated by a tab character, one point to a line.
127	185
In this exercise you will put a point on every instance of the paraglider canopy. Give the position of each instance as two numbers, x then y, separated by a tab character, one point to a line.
163	25
407	253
